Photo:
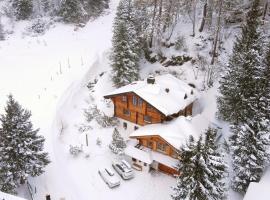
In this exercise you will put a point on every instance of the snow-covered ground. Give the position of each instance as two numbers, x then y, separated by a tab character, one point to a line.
48	75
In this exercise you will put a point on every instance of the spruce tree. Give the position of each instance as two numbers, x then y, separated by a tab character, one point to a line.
250	140
238	85
126	46
202	170
21	149
72	11
249	144
118	144
22	8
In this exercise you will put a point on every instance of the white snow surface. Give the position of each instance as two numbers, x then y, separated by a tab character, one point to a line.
168	103
48	75
4	196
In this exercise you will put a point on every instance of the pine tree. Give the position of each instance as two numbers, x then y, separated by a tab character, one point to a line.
95	7
21	149
244	102
250	140
202	170
125	55
249	144
118	144
239	84
72	11
22	8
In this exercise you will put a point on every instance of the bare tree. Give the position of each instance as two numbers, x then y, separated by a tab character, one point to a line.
217	33
203	17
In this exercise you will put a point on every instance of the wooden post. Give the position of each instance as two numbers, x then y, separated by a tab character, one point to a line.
86	138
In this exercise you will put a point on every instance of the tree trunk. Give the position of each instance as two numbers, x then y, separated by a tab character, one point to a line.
265	10
153	25
194	18
204	17
214	53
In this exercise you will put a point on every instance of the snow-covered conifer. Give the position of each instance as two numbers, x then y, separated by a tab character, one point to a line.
22	8
238	86
126	45
21	149
249	144
202	170
72	11
118	144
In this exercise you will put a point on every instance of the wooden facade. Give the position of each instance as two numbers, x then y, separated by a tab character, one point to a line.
131	107
158	144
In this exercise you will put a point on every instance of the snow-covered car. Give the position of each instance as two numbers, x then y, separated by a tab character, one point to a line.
109	177
124	169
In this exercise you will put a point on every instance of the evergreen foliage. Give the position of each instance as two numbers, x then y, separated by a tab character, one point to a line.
72	11
21	149
238	87
244	102
79	11
202	170
126	45
118	144
249	144
22	8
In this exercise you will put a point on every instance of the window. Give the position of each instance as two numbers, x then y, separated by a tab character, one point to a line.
149	107
126	112
125	125
134	100
145	164
124	98
174	154
147	119
150	144
140	102
161	147
134	159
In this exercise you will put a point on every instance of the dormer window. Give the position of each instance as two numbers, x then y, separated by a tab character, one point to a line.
126	112
124	98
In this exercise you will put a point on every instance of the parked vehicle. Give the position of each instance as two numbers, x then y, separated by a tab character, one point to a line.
109	177
124	169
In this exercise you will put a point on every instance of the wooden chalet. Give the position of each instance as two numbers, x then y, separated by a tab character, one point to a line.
152	101
151	108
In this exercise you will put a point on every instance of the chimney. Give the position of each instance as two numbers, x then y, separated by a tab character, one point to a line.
167	90
48	197
151	79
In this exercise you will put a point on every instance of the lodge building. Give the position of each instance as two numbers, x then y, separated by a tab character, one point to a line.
156	111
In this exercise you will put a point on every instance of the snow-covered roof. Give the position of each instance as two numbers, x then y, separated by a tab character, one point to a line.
146	155
167	94
164	159
141	155
175	132
259	190
5	196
